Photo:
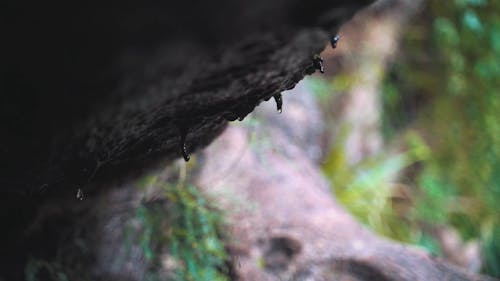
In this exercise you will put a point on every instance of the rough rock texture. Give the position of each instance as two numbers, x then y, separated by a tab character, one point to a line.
285	223
96	89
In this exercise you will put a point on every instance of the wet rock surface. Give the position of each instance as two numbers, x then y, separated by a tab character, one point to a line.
96	92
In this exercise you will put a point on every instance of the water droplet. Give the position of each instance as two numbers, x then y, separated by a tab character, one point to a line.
318	63
79	194
279	102
335	39
184	152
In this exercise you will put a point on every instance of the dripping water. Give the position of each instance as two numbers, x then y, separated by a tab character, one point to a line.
279	102
335	39
184	152
79	194
318	63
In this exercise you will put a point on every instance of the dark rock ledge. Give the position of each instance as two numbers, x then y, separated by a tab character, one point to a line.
96	90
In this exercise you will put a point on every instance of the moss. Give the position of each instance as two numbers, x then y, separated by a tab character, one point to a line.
189	227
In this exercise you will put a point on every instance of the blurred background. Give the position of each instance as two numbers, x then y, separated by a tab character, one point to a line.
410	101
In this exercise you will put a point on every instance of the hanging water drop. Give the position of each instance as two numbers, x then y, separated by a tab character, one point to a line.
184	152
79	194
335	39
318	63
279	102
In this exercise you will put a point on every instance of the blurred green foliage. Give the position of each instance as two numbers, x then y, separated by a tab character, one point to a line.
190	228
459	63
194	235
441	97
448	70
181	223
368	190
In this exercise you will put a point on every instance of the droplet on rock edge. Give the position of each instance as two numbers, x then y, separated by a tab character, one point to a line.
279	102
184	152
318	63
79	194
335	40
